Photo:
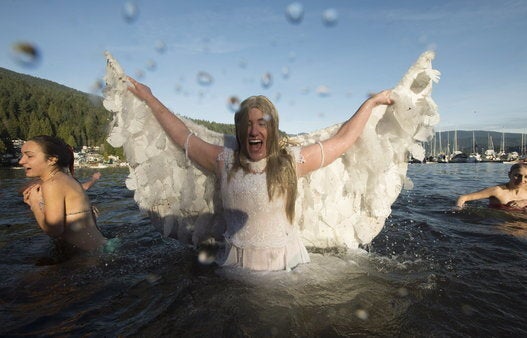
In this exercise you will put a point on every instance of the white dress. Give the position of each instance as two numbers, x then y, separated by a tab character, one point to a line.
258	233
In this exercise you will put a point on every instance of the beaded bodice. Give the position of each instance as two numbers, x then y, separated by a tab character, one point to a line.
253	220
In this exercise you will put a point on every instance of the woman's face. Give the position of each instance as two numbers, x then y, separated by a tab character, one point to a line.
34	161
518	176
256	142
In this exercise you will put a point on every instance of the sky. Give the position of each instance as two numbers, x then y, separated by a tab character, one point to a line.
316	60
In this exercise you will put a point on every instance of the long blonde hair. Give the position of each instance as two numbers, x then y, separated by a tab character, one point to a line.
280	169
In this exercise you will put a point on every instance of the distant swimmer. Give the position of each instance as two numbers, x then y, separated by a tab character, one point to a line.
94	178
510	196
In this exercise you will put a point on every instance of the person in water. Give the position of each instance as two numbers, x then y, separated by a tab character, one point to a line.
258	181
58	201
94	178
511	195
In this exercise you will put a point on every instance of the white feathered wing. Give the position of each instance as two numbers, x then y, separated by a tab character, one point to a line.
343	204
182	200
347	202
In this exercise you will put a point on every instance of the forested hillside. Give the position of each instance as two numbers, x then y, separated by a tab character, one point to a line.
31	106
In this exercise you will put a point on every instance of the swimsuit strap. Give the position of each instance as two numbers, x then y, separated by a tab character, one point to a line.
78	212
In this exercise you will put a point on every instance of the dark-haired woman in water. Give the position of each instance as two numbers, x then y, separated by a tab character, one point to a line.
58	201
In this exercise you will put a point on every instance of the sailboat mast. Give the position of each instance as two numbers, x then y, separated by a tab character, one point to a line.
522	147
440	144
455	141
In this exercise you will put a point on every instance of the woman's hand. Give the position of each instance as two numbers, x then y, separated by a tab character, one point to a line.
519	204
33	195
141	91
382	98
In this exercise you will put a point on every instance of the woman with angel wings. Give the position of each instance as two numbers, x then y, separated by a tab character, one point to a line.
259	179
244	190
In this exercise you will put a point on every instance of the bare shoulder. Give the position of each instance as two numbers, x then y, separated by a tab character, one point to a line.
501	188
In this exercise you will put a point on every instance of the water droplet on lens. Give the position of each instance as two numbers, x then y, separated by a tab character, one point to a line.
267	80
243	64
285	72
26	54
330	17
361	314
233	103
151	65
130	12
323	90
205	258
152	278
139	74
204	78
295	12
161	46
403	292
97	86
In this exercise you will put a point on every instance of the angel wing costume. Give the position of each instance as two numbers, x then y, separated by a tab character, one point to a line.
344	204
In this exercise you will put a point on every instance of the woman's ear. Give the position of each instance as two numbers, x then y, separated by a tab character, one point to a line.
52	160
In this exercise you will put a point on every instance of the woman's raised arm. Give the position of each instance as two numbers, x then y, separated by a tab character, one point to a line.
199	151
321	154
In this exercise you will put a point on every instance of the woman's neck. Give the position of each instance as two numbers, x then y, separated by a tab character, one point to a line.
255	167
50	175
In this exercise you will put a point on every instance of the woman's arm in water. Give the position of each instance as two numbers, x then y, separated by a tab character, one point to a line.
477	195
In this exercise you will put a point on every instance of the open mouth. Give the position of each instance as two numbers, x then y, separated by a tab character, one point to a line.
255	145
